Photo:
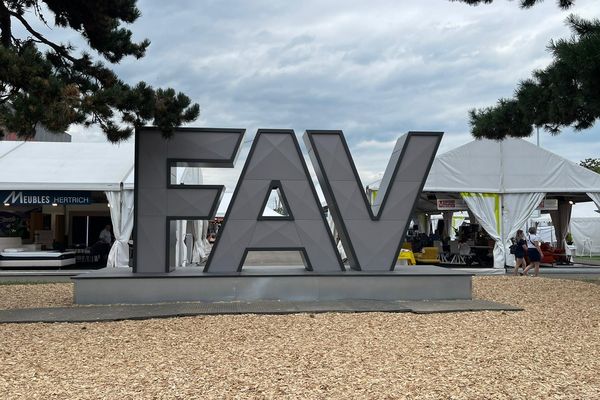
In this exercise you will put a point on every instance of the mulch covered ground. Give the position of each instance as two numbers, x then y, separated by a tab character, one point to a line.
549	351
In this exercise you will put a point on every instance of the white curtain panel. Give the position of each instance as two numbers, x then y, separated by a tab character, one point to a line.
447	217
114	201
201	247
560	221
199	251
586	235
121	215
127	205
517	207
205	243
486	207
180	246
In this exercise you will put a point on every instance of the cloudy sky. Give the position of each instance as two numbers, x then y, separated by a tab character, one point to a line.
374	69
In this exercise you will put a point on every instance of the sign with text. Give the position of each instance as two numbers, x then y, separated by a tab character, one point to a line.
451	204
548	205
45	197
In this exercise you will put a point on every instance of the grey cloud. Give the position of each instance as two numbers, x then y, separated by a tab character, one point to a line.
373	69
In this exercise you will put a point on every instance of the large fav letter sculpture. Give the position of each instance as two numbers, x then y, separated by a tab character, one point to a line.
158	201
372	237
274	161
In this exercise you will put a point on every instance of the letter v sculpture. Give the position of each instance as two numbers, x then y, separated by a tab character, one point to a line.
372	236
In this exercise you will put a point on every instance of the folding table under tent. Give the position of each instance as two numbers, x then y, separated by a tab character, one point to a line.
503	182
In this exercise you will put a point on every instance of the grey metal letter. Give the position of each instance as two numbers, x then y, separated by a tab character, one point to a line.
372	236
274	160
158	201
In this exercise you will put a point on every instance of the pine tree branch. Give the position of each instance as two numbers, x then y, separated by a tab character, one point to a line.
50	83
58	48
564	4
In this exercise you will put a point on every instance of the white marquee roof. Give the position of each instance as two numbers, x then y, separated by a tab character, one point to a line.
65	166
524	167
472	167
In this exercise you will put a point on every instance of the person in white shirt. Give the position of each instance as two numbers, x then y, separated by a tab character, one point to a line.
534	251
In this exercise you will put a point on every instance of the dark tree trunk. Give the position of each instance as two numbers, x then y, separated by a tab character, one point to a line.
5	37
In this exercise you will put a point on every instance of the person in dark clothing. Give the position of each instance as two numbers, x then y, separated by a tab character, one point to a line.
520	249
102	246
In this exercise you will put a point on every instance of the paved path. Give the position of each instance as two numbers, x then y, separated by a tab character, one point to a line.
167	310
578	269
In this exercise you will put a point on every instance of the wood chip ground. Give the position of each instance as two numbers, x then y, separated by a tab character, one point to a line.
549	351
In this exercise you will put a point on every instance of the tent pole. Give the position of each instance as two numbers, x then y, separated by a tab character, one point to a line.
502	239
501	205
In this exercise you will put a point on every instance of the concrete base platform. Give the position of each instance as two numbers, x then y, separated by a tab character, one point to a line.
106	313
40	275
58	263
290	283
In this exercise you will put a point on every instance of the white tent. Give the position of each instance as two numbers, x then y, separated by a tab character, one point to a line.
586	235
584	230
65	166
502	182
77	166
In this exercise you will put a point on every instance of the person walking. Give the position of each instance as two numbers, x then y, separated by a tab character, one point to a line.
520	249
534	252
